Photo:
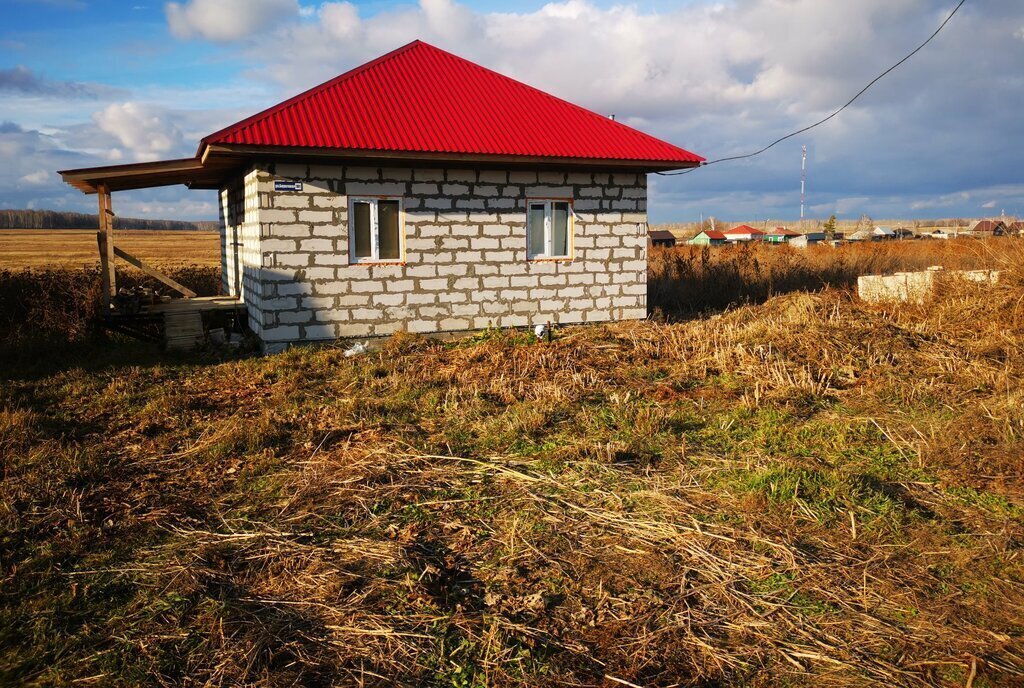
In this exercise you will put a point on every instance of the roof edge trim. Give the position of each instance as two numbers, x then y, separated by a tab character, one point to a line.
236	149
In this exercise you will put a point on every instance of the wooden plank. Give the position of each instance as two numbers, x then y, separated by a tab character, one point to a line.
200	304
101	243
107	227
183	331
153	272
106	246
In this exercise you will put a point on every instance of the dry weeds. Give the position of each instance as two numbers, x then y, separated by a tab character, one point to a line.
808	492
693	279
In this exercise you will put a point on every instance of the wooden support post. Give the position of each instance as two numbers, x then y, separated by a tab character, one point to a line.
105	238
153	272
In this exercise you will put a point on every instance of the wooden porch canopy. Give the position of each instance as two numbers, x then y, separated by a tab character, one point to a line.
192	172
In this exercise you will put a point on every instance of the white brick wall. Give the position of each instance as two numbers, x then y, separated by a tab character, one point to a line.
241	251
465	260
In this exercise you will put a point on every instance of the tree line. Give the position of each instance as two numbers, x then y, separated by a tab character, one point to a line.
58	219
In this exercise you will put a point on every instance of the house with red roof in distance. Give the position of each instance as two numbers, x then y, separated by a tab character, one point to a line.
987	228
708	237
743	233
420	192
780	235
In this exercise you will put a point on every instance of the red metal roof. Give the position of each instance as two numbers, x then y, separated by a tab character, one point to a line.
713	234
421	99
783	231
743	229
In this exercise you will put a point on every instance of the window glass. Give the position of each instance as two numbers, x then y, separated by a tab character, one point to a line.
362	230
536	226
559	229
390	242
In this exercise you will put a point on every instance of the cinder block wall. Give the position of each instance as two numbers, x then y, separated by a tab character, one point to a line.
240	253
465	259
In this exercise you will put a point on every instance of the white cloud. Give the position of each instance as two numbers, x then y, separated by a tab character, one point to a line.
724	78
224	21
757	62
340	19
30	178
146	131
942	201
38	177
851	206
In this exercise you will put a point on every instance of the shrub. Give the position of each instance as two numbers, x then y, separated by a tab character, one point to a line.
61	305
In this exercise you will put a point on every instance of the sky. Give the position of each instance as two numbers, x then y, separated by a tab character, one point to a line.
95	82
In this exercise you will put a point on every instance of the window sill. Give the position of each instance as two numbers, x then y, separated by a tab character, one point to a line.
546	259
376	262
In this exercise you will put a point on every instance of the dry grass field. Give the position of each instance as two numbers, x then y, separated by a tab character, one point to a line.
688	229
72	248
806	491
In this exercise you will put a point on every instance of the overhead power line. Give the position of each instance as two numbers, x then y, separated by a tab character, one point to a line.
820	122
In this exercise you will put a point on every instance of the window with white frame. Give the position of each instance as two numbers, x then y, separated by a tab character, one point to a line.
549	228
375	232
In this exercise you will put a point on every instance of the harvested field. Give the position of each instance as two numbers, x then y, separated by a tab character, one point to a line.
73	248
806	492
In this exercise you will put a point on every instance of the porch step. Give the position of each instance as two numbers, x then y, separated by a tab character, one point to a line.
183	330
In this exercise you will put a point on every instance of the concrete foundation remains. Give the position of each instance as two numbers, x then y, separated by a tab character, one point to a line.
915	287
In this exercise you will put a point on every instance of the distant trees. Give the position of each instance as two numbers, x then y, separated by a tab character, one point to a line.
865	222
56	219
830	227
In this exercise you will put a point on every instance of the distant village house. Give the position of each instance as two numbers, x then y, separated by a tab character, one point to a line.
780	235
662	238
987	228
743	233
708	237
808	239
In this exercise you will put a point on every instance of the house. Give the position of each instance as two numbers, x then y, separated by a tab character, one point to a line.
708	237
425	193
862	235
743	233
805	240
662	237
883	233
987	228
780	235
1014	228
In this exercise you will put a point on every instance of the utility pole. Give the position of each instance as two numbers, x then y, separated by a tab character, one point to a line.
803	182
